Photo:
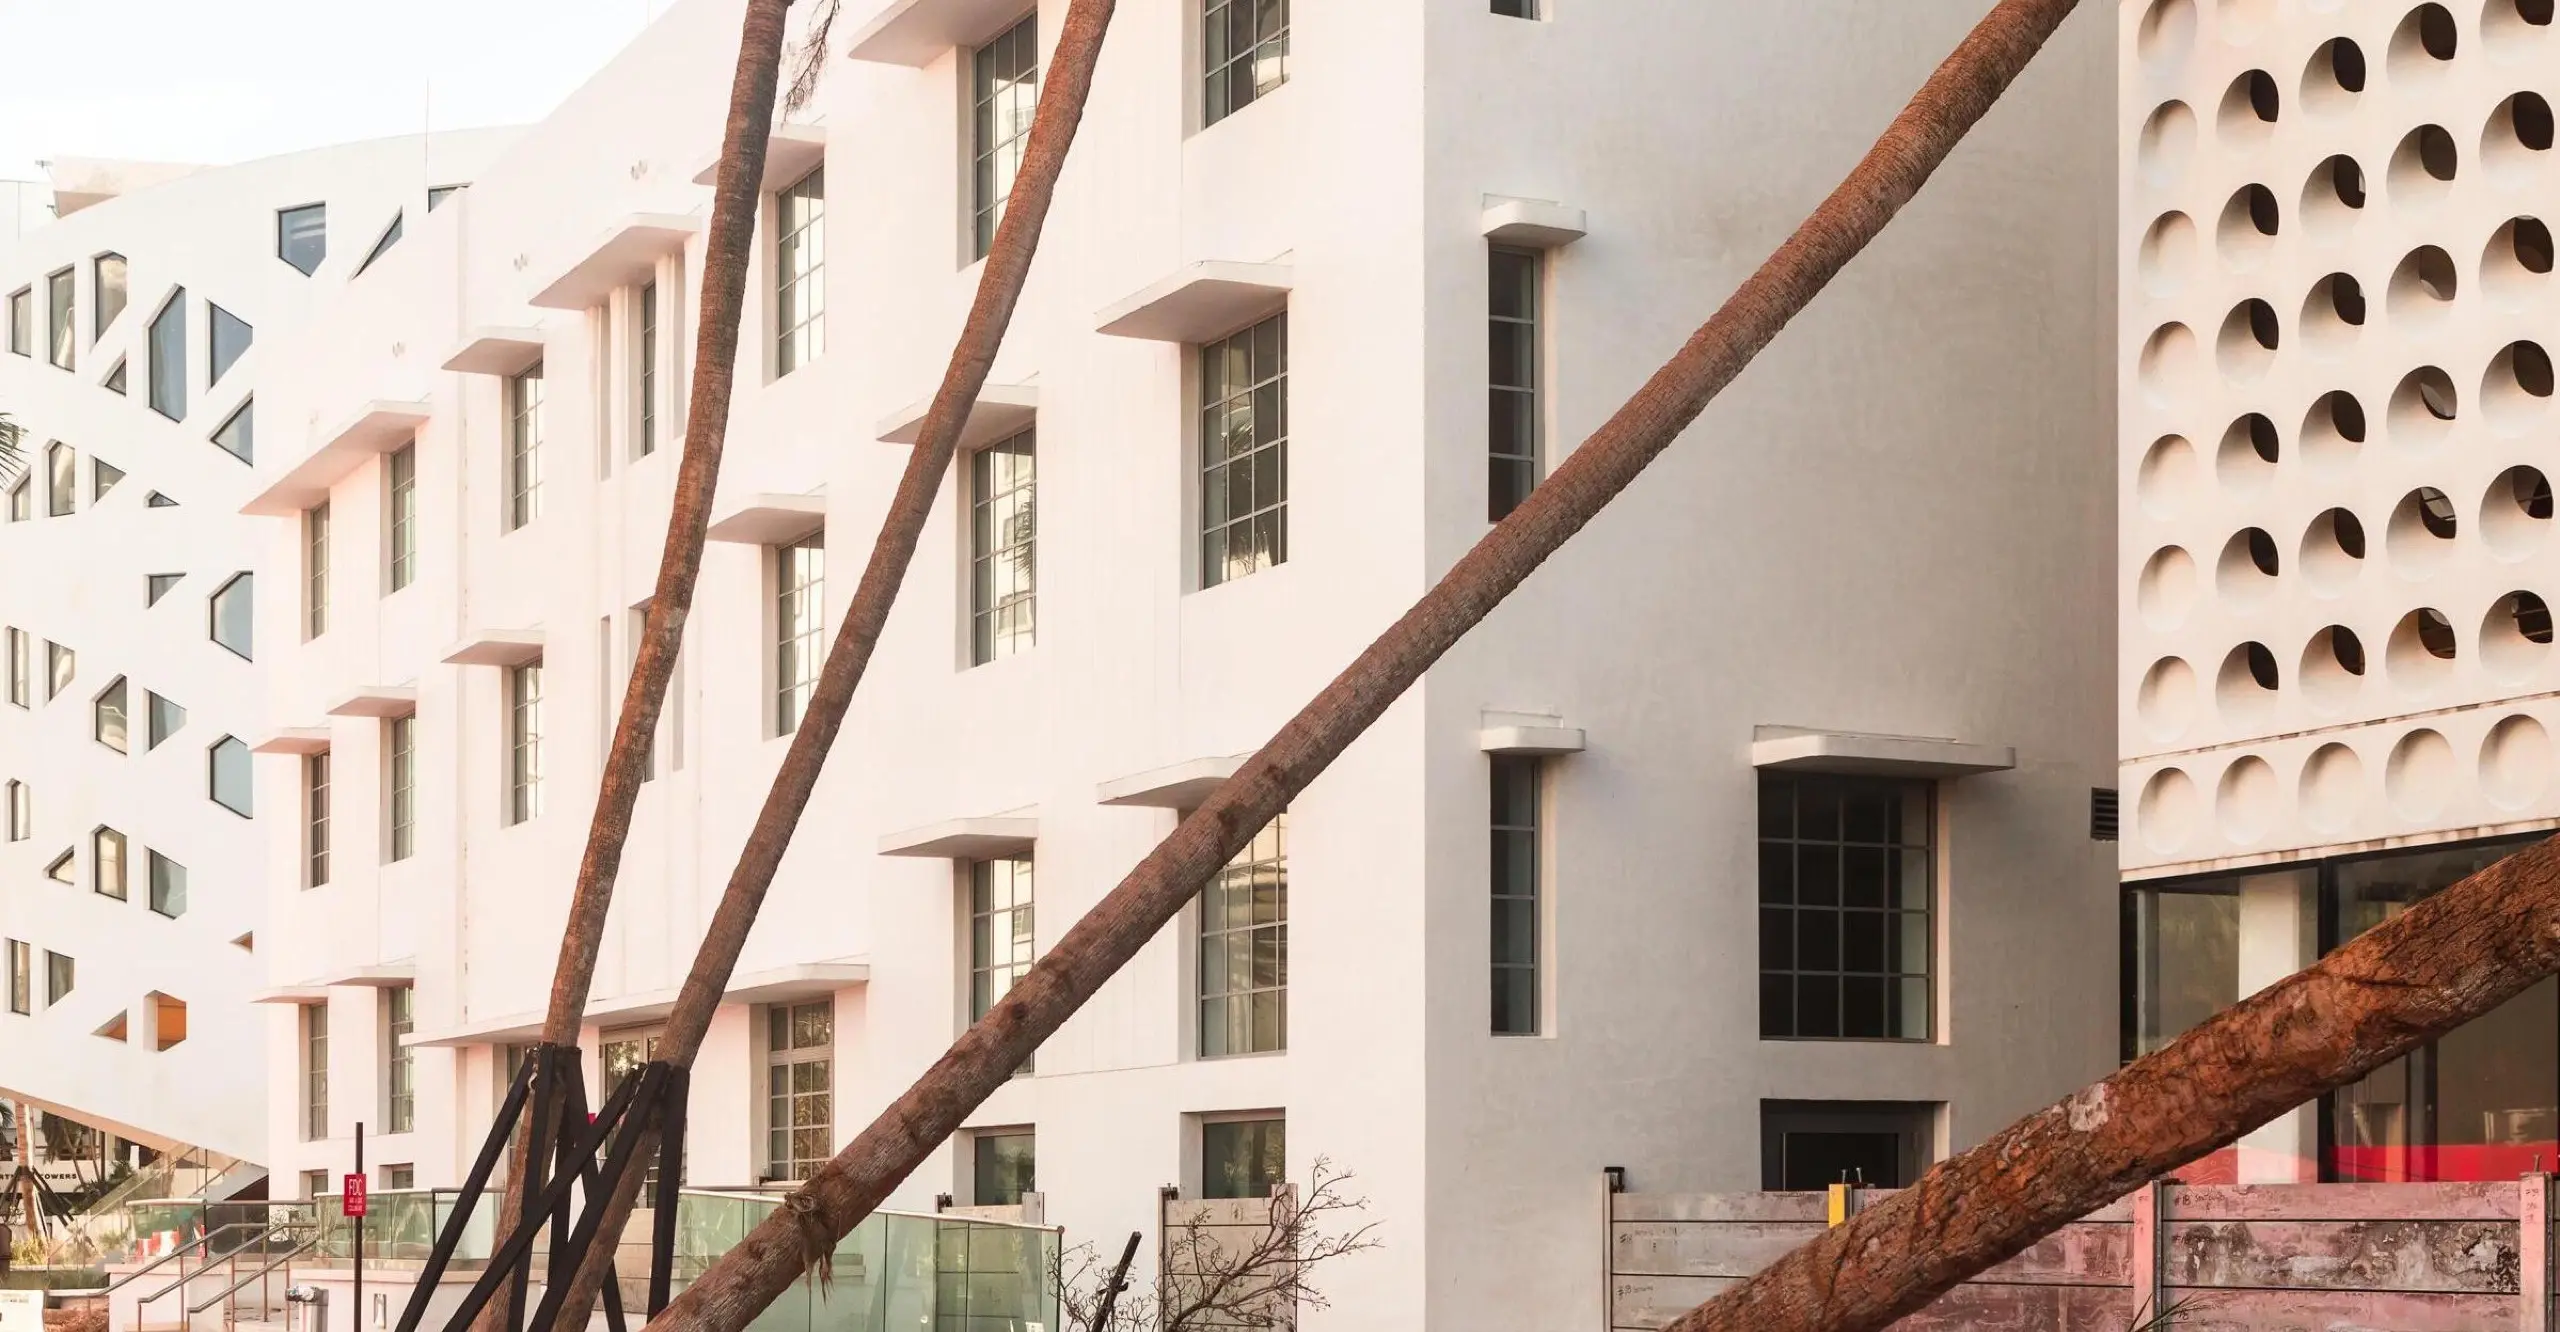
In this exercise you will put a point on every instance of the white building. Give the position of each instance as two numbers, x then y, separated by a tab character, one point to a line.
1864	583
2337	685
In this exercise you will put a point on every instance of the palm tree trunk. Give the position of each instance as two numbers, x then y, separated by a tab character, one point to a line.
724	287
2443	962
1065	86
848	1187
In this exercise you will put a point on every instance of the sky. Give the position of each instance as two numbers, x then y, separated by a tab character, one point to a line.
220	81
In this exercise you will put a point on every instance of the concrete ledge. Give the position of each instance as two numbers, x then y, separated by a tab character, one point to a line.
378	701
1533	223
1792	749
768	520
793	151
1002	410
627	254
1530	741
377	428
772	985
917	32
965	839
495	647
1199	303
1181	786
294	740
496	351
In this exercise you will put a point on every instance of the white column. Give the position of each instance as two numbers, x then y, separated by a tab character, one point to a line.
2279	935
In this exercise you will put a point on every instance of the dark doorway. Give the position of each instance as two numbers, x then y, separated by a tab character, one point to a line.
1808	1145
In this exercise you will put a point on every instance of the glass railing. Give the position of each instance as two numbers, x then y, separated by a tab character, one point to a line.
401	1225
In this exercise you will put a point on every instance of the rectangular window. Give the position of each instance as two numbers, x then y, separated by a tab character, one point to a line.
60	974
1847	889
800	628
315	570
401	517
21	667
396	1178
1246	55
524	742
1244	452
1244	949
168	886
58	326
106	863
315	1184
1003	1167
648	341
22	321
21	813
1243	1158
1003	548
400	1072
168	352
1001	946
1516	856
800	1042
62	480
1527	9
524	447
1806	1146
620	1058
22	981
315	1074
1512	338
799	271
107	273
400	744
635	624
315	811
1004	93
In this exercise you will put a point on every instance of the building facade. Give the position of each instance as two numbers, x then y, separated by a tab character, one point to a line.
2334	384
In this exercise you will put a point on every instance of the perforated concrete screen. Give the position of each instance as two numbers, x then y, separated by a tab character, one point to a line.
2337	312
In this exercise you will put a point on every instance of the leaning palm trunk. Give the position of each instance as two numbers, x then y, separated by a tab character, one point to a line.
847	1188
724	286
1065	86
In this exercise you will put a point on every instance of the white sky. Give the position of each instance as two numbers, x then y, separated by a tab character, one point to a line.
219	81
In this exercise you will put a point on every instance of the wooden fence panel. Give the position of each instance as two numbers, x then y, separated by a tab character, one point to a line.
2475	1257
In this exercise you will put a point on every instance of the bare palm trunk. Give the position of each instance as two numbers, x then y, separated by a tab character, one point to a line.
1066	84
726	252
847	1188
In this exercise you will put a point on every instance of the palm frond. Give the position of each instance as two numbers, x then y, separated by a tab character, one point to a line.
13	453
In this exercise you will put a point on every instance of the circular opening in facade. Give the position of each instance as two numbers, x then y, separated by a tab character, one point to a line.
2517	387
2248	227
2332	552
2170	363
2246	685
2332	313
2169	810
2168	253
2167	588
2332	667
2249	109
2247	345
2421	652
2515	263
2508	26
2333	197
2423	166
2167	31
2515	762
2170	478
2515	636
2421	531
2247	458
2423	44
2332	787
2422	407
2333	431
2246	571
2516	138
2515	515
2334	76
2168	140
2166	702
2422	286
2419	777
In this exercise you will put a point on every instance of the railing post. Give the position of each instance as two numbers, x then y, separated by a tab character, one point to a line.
2151	1252
2533	1253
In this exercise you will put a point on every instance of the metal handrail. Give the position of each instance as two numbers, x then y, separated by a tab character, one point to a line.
266	1234
235	1287
180	1252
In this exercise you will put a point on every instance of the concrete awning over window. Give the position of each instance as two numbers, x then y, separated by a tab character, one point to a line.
1530	741
1533	223
1796	749
495	647
771	985
1181	786
767	519
965	839
626	255
1001	410
1200	303
793	151
378	701
377	428
497	351
917	32
294	740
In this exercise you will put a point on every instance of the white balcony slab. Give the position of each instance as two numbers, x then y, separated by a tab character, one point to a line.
1200	302
381	701
965	839
495	647
917	32
1180	786
793	151
626	255
1533	223
1530	741
767	519
1002	410
375	429
296	995
771	985
373	975
496	351
1797	749
294	740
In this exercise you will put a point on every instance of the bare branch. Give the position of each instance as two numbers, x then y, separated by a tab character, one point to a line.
809	56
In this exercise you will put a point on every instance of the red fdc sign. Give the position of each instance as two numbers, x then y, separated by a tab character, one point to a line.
351	1198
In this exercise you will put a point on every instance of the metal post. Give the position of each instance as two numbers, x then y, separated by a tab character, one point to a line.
662	1237
355	1302
2534	1266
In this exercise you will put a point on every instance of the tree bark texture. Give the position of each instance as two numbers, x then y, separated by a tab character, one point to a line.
848	1187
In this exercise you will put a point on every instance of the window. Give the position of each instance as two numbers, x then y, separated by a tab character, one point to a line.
524	447
115	380
436	195
20	814
228	762
229	335
396	1178
60	974
648	353
22	321
1846	888
315	1184
61	480
315	819
21	667
400	742
619	1058
59	869
1003	542
159	501
1003	1167
58	326
107	716
168	351
22	504
800	627
1244	452
1243	1158
62	665
302	237
524	742
166	719
107	274
1512	441
799	270
1516	857
315	570
238	433
1244	949
402	516
400	1076
799	1121
1000	940
1527	9
156	586
233	611
390	237
315	1073
1004	94
1247	53
22	965
1811	1145
106	863
103	476
168	885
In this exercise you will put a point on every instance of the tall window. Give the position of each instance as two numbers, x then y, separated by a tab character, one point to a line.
315	819
107	724
799	270
1846	895
62	666
800	1042
1247	53
1004	93
400	1074
21	667
648	341
22	498
22	321
315	1072
1243	1158
1515	895
1003	541
233	611
168	885
20	815
524	447
620	1057
228	776
800	627
315	570
167	719
58	326
302	236
1244	949
1003	1167
1000	940
1512	444
168	352
401	518
106	863
524	742
107	273
400	740
1244	452
60	974
229	336
61	479
22	983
